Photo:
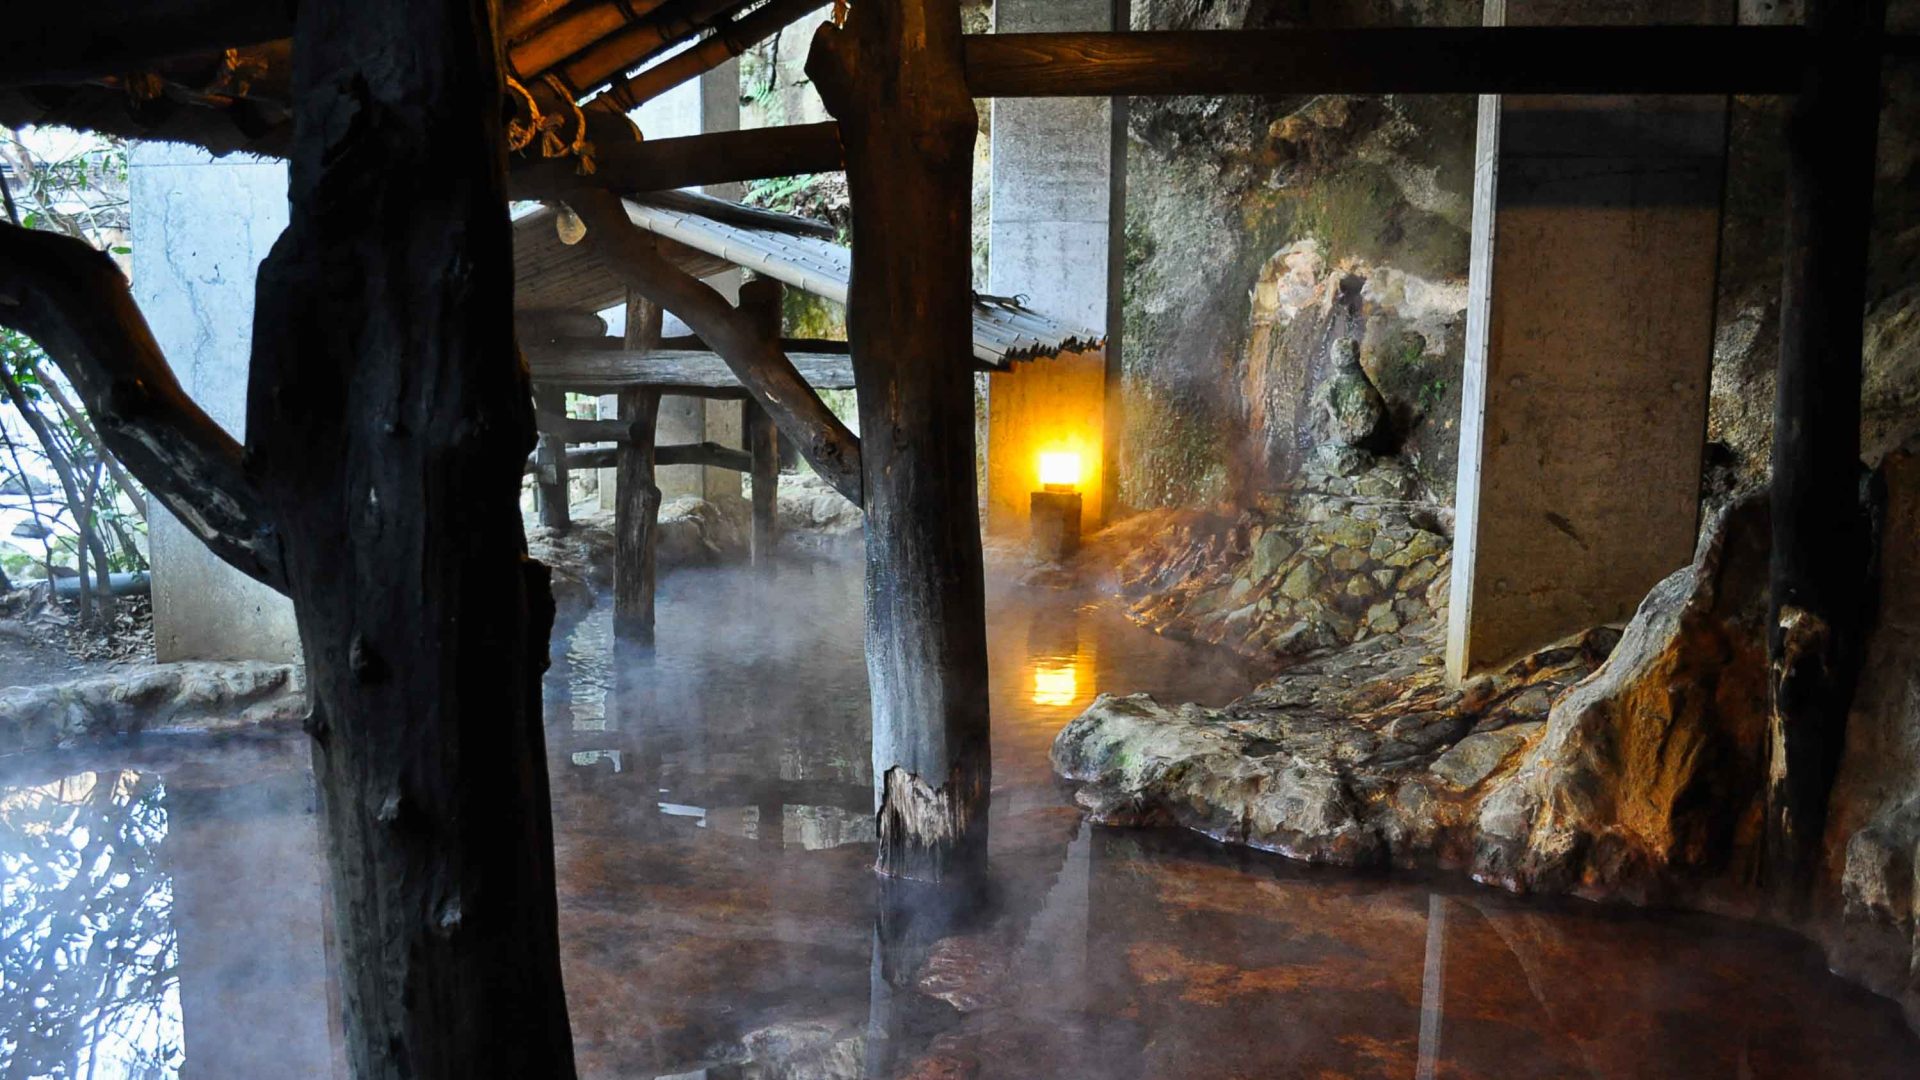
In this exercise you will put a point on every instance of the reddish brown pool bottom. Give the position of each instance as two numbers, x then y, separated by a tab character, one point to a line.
719	918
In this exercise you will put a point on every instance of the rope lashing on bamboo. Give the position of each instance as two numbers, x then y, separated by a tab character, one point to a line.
546	127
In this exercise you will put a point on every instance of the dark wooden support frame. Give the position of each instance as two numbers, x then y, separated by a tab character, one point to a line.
1393	60
434	784
551	474
761	300
636	490
892	76
1821	534
755	358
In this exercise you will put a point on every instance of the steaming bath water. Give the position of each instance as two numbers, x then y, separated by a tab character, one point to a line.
163	901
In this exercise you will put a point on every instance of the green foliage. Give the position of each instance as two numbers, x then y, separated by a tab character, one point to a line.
782	193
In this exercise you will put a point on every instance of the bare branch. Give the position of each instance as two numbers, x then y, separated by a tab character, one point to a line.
73	301
755	358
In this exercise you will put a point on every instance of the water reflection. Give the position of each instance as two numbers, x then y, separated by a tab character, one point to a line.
714	831
90	960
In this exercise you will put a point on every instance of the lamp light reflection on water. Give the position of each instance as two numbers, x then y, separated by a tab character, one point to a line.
1055	683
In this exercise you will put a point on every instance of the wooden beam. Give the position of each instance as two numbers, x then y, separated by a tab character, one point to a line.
761	299
719	157
892	76
756	360
1399	60
550	457
636	513
710	454
593	370
388	420
1821	540
813	346
70	43
704	453
569	429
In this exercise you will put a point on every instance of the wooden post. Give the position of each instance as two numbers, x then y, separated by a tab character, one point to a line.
550	461
1820	537
389	419
893	79
636	507
761	298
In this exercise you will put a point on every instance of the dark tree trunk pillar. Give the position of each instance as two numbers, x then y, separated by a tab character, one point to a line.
892	77
550	458
762	299
389	422
636	491
1820	537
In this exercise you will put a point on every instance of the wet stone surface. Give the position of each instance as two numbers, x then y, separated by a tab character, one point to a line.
714	833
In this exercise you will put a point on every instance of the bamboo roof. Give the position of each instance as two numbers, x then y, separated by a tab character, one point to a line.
1004	329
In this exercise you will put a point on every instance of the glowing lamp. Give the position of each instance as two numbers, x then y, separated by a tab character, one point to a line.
1054	510
1059	470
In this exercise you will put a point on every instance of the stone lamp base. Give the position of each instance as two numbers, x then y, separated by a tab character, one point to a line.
1056	524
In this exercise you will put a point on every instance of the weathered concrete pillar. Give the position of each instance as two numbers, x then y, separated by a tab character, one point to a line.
1052	218
200	228
1589	344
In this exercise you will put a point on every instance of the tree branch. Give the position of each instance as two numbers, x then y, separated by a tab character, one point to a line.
73	301
755	359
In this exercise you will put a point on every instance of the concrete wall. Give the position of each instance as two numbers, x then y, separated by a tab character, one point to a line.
1052	181
1044	406
1589	346
200	228
1049	240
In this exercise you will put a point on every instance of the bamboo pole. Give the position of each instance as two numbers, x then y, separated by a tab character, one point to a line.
576	30
725	43
635	44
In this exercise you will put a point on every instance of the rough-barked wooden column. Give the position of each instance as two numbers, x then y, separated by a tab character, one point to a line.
892	77
761	299
636	507
1820	533
388	425
550	462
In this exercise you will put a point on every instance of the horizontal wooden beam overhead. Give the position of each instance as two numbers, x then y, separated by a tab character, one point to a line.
701	453
721	157
1409	60
593	369
59	43
832	346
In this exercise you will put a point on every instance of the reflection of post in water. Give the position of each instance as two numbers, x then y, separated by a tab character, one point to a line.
1433	988
910	918
249	956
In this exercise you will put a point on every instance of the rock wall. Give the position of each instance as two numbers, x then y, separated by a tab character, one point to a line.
1873	832
1639	778
1259	232
1348	561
